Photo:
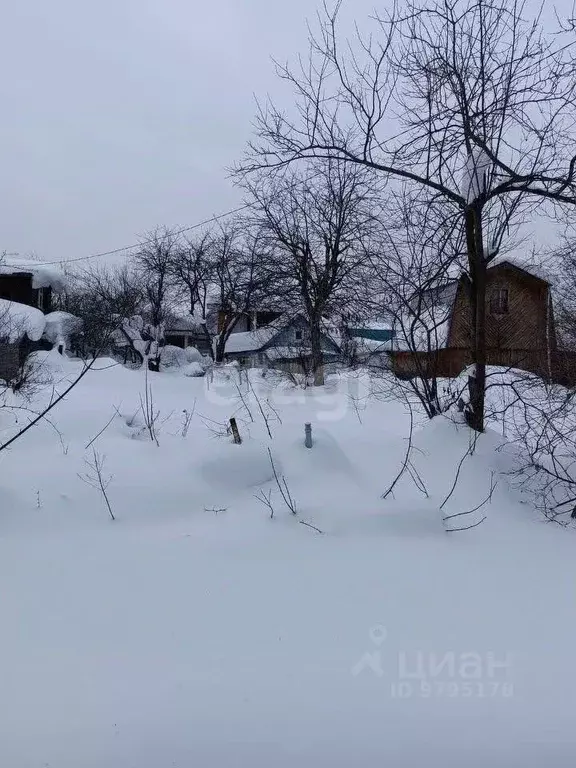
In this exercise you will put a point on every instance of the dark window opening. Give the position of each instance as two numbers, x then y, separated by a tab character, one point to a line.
41	299
298	335
499	301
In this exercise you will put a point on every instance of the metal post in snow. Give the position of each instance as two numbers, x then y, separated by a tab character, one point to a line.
235	433
308	435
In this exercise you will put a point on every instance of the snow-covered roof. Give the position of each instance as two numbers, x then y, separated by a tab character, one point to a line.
376	325
250	341
184	322
43	275
19	320
536	270
373	346
425	332
440	295
293	352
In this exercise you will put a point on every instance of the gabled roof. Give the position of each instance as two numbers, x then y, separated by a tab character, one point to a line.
250	341
263	338
533	271
443	294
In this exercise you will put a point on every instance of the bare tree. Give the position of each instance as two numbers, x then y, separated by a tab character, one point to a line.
318	222
97	479
562	266
42	414
416	285
192	269
103	297
541	422
238	278
471	99
154	261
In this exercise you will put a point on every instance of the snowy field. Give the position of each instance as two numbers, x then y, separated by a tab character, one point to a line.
194	630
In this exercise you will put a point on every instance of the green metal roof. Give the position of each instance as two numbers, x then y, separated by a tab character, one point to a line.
376	334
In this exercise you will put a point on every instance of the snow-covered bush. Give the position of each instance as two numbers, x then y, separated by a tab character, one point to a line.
189	359
60	326
193	355
194	370
173	357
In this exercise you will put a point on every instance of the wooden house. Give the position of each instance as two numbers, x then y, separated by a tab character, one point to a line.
21	286
25	296
284	344
520	331
184	330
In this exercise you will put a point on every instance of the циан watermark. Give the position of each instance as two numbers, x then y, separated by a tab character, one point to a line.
433	674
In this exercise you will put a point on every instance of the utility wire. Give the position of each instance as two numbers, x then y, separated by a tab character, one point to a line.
142	242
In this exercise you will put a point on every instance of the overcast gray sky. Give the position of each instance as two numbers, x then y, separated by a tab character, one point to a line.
119	115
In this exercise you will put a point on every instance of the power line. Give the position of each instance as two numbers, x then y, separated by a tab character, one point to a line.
142	242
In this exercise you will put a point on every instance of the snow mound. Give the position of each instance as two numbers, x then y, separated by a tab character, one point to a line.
239	467
60	326
179	357
193	370
173	357
249	341
193	355
19	320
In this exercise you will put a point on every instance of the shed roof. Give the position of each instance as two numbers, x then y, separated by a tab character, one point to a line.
43	275
250	341
19	320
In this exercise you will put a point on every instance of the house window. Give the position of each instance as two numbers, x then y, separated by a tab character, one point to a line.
298	335
42	299
499	301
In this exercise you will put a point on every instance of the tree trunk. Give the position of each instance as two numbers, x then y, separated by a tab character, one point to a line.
477	265
208	340
317	353
220	347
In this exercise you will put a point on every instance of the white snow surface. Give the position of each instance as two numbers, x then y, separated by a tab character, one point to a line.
196	630
43	275
19	320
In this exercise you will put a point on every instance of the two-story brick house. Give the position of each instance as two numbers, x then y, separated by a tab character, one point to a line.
520	330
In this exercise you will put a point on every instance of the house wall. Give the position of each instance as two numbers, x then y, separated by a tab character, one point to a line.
249	321
42	298
9	360
185	339
243	324
523	338
522	328
287	338
18	288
